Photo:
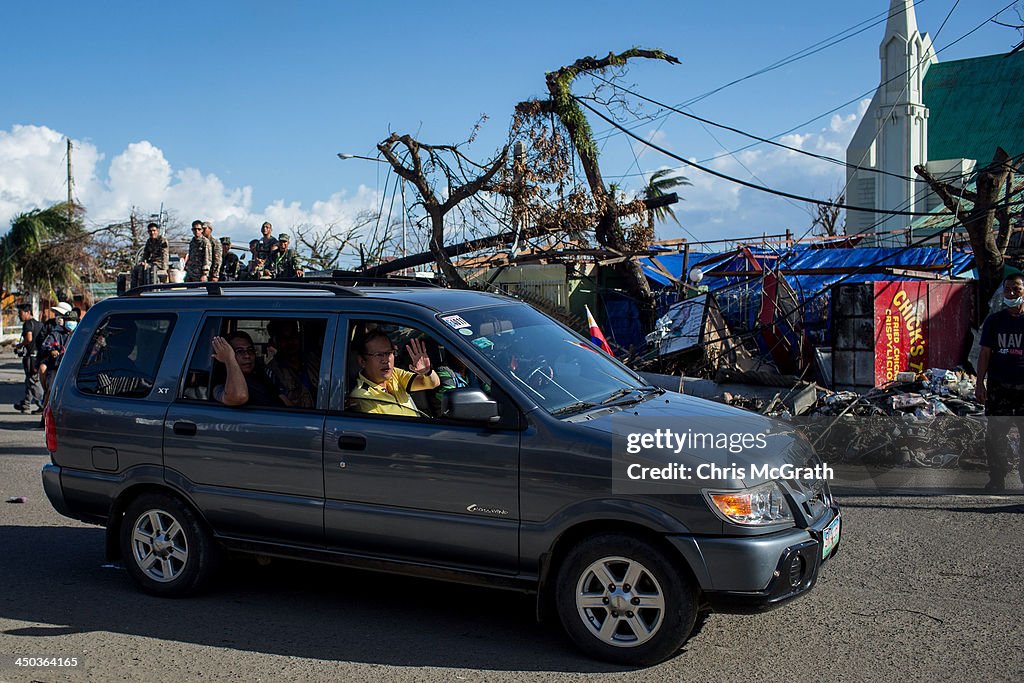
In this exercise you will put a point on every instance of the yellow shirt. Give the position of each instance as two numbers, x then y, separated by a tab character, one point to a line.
389	398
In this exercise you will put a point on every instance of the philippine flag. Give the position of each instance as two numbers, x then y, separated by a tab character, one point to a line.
595	334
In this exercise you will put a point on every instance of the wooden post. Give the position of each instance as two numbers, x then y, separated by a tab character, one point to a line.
686	269
70	183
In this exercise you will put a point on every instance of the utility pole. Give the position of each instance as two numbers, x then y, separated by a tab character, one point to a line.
404	251
70	183
518	162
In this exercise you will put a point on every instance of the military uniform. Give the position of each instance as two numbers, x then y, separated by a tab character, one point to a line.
155	253
154	256
199	259
231	269
285	263
217	255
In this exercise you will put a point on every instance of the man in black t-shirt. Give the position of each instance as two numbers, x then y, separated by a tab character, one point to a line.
27	349
1002	363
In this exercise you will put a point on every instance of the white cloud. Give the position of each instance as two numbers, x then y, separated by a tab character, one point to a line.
715	208
657	137
33	175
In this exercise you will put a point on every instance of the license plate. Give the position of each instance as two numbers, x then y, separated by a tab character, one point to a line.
831	537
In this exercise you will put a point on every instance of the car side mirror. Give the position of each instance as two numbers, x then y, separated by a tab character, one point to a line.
470	404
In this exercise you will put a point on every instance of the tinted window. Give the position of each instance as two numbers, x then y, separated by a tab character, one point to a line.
280	359
381	381
124	354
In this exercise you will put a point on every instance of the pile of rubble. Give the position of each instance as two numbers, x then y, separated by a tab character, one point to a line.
936	392
928	420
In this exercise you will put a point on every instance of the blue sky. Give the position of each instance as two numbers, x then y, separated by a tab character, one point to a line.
234	111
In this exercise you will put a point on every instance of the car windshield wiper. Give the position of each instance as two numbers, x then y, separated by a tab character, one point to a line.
574	408
617	394
645	393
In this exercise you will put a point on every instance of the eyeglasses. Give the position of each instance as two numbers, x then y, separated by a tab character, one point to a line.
381	355
245	351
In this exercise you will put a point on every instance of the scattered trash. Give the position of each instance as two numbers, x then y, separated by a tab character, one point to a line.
925	419
17	499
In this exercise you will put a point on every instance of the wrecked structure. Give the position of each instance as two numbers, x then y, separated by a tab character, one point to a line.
841	316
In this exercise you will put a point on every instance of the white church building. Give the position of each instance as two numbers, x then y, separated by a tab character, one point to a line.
947	116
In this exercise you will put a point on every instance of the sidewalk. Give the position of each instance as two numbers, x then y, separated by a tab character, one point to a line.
854	480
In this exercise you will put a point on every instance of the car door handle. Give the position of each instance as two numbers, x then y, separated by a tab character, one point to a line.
352	442
185	428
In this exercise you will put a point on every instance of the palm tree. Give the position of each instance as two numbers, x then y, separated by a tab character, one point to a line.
660	184
40	247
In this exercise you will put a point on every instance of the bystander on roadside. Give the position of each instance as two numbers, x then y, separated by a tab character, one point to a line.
27	348
1000	383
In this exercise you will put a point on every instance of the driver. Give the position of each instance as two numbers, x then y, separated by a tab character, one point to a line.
382	388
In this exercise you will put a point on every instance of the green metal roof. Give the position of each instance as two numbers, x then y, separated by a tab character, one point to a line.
974	106
940	218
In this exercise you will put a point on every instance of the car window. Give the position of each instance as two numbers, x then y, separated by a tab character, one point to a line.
384	360
279	359
555	367
124	354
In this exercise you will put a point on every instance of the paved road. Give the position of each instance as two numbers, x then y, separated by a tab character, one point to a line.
925	588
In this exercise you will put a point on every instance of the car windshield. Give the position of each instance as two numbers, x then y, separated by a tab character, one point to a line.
562	372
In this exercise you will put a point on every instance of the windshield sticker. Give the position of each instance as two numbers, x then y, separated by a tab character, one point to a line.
483	343
456	322
466	331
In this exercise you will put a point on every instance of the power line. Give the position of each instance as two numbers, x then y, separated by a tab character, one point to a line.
753	186
618	129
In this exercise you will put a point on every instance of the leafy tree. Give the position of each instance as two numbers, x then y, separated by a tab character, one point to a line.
601	212
43	250
661	184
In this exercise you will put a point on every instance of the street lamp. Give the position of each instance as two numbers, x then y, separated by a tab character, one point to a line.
343	155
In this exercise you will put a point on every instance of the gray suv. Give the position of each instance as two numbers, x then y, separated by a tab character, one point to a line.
279	419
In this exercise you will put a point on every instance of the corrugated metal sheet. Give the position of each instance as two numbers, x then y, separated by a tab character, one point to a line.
974	106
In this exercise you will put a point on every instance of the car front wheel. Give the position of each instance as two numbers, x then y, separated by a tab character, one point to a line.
620	599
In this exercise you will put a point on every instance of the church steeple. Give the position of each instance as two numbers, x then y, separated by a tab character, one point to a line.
905	55
902	21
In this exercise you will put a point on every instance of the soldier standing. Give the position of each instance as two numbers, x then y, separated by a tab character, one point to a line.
231	266
285	263
215	252
200	257
154	255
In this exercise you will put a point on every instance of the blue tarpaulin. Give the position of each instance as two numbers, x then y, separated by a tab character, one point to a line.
739	296
807	258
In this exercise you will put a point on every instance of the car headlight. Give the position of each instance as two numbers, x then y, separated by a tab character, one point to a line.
761	505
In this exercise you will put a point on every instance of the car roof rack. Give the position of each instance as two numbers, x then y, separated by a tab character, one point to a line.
217	288
354	279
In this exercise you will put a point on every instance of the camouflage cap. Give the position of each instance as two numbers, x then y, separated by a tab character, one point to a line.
225	240
284	237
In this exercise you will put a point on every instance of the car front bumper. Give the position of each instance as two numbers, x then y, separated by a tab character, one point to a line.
751	574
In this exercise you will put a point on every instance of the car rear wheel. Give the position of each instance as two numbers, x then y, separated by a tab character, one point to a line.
165	547
621	600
